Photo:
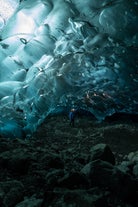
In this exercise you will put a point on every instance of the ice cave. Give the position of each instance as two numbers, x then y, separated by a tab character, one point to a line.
58	54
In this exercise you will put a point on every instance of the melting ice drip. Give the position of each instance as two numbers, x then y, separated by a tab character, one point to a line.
63	53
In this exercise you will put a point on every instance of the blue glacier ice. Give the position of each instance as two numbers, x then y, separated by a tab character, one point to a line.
55	54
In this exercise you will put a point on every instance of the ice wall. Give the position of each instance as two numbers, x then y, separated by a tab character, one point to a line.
57	54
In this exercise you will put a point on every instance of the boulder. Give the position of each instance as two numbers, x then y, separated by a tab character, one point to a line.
17	161
126	167
74	180
99	172
30	202
11	193
105	175
135	170
52	178
102	152
52	160
76	197
133	156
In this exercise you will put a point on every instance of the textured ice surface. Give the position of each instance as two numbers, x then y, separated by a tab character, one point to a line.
55	55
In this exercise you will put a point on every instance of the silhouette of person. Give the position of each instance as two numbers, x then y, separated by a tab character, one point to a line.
72	114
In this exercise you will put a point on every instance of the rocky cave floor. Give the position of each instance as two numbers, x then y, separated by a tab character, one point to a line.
90	165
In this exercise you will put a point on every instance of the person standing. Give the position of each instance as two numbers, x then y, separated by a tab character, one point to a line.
72	115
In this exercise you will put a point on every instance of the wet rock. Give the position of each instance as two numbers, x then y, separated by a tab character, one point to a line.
99	172
50	168
105	175
11	193
30	202
82	159
133	156
84	198
102	152
52	178
52	161
79	198
4	145
126	167
17	161
131	165
135	170
124	185
73	180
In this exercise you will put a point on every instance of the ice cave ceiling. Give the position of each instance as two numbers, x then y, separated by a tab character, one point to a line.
58	54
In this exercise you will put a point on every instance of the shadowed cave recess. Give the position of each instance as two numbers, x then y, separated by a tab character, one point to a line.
58	54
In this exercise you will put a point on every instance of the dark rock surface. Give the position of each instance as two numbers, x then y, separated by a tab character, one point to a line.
102	152
90	165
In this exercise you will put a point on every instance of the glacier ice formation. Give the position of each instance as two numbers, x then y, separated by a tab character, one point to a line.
55	54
